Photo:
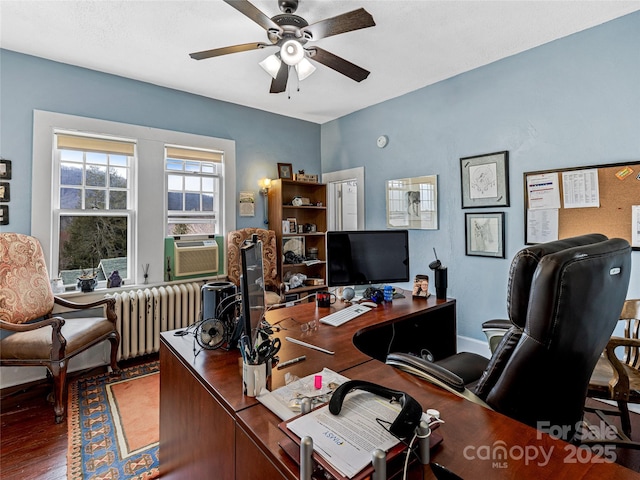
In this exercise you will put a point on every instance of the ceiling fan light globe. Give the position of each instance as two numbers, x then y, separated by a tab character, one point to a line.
271	65
291	52
304	68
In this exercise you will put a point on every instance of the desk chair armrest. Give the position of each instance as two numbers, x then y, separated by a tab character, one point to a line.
619	384
434	374
109	303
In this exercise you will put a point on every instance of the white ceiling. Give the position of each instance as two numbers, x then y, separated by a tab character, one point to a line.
414	44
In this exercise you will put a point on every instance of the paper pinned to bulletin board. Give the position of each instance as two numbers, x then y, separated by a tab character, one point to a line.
593	199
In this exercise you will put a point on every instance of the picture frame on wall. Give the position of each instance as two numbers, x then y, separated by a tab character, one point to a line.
413	203
5	191
5	169
485	180
484	234
4	214
285	171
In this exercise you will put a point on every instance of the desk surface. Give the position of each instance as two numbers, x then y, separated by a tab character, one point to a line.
472	434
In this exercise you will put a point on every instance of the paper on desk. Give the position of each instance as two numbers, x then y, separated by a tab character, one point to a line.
278	400
347	440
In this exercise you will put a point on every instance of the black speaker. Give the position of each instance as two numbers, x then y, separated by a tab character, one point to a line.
407	420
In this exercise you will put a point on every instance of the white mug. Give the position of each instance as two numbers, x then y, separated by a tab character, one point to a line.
254	378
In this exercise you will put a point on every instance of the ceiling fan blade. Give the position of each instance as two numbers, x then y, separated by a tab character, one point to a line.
251	11
279	84
216	52
339	64
346	22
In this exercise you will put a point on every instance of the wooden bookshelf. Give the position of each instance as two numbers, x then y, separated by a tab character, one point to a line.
312	212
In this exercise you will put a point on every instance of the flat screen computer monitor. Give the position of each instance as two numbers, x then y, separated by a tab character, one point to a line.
367	257
252	288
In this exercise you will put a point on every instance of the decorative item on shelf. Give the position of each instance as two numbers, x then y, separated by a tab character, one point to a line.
312	253
296	280
293	225
114	280
87	282
310	228
314	282
301	202
306	178
285	171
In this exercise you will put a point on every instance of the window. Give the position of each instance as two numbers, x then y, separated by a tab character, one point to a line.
93	200
124	192
193	191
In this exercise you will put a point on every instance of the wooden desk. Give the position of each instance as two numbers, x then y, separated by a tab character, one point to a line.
209	429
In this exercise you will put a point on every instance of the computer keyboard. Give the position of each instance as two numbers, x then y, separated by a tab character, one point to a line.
343	316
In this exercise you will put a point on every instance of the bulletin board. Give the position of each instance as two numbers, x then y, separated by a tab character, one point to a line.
618	212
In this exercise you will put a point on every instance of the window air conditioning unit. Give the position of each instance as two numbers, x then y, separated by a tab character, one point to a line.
194	257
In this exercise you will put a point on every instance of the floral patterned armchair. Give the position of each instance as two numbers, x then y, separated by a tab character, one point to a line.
273	287
37	337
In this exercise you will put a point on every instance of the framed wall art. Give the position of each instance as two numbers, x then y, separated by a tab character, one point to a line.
285	171
484	234
5	191
5	169
485	180
413	203
4	214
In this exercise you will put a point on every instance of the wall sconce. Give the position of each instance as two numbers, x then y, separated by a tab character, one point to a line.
264	184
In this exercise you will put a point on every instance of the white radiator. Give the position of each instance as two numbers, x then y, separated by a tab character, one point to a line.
143	314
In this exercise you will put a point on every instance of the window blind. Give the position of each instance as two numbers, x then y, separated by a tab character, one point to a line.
94	144
192	154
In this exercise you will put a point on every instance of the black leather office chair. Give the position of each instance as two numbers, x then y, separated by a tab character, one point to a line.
540	373
523	267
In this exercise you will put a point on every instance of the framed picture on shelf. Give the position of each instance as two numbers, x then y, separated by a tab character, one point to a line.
285	171
293	225
293	249
485	180
485	234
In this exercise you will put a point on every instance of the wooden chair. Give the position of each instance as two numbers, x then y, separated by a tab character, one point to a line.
273	286
37	338
618	378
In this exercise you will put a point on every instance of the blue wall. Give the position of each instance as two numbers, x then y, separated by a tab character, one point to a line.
572	102
30	83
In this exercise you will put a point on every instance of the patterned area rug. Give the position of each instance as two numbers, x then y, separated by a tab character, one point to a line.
114	425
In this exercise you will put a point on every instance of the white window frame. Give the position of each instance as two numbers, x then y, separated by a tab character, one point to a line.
58	213
218	204
148	231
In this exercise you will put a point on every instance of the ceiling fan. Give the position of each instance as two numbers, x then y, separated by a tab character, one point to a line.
291	34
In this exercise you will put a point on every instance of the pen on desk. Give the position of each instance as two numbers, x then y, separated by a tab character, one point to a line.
308	345
292	361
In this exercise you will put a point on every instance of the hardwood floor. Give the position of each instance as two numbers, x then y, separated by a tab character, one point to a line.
33	446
